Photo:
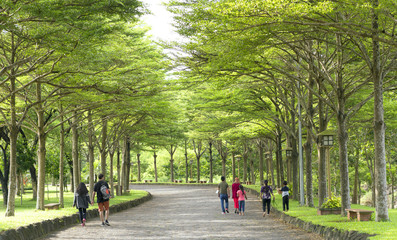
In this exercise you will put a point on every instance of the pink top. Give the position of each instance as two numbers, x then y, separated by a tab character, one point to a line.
240	195
235	187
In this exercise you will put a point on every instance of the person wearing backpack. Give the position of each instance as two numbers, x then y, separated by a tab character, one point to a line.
81	201
101	188
266	191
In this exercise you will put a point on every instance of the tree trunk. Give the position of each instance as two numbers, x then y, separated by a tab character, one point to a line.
4	178
186	164
41	151
75	151
260	162
233	166
322	179
103	146
279	156
211	164
126	159
355	190
138	157
173	149
111	155
118	171
309	176
295	169
245	172
382	212
61	160
155	166
33	177
91	153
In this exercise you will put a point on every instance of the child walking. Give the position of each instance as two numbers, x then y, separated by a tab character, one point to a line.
266	191
242	195
285	194
81	200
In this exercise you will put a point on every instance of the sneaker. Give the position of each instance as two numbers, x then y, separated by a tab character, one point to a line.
103	224
264	214
84	222
227	210
107	223
223	213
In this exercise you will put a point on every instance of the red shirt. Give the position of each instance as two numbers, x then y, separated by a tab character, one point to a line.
235	188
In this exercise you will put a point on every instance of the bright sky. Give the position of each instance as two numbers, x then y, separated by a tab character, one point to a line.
160	21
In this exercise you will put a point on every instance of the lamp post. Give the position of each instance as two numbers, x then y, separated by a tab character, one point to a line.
327	143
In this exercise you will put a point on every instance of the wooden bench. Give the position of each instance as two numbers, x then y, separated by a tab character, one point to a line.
148	181
51	206
360	214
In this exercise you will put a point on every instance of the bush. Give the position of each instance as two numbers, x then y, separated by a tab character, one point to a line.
332	202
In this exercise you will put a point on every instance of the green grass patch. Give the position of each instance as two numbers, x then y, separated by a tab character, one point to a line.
26	213
383	230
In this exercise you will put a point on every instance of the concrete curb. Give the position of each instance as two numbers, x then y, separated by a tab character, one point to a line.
328	233
39	229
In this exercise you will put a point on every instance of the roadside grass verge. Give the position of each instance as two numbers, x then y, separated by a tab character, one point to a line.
26	213
383	230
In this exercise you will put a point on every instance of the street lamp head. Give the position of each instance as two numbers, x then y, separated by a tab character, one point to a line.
328	140
327	137
288	152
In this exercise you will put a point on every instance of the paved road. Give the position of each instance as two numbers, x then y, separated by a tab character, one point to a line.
185	212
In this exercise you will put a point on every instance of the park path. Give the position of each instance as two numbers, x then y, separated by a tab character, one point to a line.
185	212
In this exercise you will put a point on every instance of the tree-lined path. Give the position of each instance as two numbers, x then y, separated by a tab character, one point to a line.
185	212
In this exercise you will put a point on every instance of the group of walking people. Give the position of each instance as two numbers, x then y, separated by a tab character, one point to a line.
82	200
239	196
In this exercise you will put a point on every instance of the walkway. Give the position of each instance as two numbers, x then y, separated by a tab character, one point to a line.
185	212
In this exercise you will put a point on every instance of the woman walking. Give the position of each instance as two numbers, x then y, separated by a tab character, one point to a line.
81	200
266	191
235	188
242	195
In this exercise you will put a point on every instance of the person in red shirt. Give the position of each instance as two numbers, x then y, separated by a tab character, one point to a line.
235	188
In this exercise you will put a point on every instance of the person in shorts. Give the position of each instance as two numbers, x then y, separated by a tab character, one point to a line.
102	199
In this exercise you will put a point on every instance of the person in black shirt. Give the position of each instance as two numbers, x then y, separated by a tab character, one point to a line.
101	188
285	194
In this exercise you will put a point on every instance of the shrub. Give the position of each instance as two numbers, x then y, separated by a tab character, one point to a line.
332	202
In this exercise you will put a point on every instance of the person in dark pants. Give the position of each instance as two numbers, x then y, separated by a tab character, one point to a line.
285	194
266	193
81	201
224	194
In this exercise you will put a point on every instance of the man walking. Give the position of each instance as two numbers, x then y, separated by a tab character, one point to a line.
101	188
223	194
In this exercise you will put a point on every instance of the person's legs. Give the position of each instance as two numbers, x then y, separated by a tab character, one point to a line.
106	206
227	203
81	214
287	203
100	209
243	206
284	203
239	206
236	205
222	198
268	205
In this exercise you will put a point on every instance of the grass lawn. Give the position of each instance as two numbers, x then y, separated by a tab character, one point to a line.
26	213
383	230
